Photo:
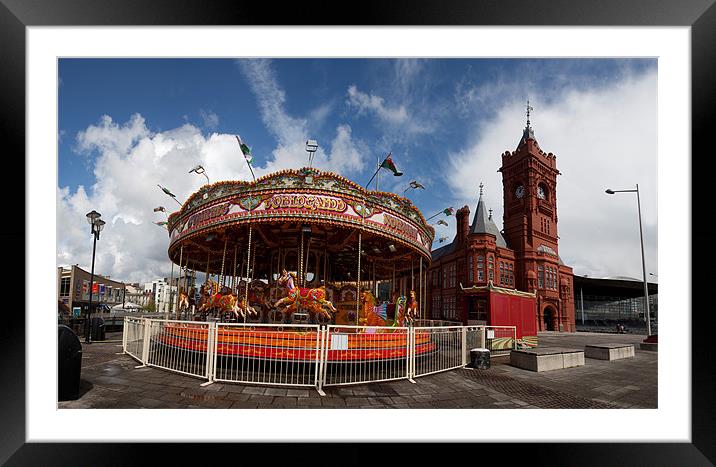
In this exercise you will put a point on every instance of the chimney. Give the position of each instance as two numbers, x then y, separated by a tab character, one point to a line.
463	226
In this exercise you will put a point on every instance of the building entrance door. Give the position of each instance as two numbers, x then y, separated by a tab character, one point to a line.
549	319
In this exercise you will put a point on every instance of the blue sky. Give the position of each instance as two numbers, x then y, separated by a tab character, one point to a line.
446	122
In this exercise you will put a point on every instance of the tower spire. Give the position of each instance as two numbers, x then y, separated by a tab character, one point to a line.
528	112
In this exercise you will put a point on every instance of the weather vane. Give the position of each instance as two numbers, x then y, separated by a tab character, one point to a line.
481	185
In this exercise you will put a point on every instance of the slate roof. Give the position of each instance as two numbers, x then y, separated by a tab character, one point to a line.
482	223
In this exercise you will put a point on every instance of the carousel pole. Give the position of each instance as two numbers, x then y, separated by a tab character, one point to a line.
233	271
300	262
412	274
206	276
420	291
360	240
181	255
248	264
305	263
171	279
223	260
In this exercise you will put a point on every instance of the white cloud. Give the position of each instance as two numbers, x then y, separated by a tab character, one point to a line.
346	154
211	120
130	162
369	103
603	138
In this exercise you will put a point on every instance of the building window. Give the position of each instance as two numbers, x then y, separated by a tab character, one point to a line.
449	310
511	275
491	268
540	277
470	270
436	306
502	273
480	268
64	287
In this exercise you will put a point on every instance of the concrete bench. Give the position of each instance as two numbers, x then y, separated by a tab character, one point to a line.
609	351
546	359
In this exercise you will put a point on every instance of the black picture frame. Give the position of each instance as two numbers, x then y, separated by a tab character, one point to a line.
700	15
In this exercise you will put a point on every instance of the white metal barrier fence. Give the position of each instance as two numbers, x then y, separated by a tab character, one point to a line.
276	354
133	337
307	355
444	349
182	346
360	354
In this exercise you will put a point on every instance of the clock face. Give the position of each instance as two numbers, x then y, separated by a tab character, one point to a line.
541	192
520	191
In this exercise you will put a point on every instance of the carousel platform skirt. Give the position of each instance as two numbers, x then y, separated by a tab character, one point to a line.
270	343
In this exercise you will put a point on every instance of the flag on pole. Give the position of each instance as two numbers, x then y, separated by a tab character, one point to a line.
160	209
162	223
449	211
442	239
442	222
414	184
388	164
245	150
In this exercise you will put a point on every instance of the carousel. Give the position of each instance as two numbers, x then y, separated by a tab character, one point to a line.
299	247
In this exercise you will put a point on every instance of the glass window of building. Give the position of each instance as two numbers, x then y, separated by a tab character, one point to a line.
491	268
540	277
480	268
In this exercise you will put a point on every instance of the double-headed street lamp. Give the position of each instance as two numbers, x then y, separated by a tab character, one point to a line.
96	226
643	262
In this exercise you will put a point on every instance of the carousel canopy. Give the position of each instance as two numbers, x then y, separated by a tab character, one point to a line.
278	210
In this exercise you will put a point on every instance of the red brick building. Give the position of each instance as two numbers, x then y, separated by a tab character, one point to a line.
520	261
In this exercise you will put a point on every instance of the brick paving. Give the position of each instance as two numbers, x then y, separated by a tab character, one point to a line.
111	380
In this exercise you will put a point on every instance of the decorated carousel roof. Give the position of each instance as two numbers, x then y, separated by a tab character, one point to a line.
281	206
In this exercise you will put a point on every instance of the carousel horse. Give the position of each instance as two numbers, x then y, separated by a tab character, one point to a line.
368	315
243	308
412	308
400	309
314	300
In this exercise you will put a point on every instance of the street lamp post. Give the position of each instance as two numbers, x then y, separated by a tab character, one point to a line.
96	226
643	262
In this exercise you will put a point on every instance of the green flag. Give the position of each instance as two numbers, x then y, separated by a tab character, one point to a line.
448	211
245	150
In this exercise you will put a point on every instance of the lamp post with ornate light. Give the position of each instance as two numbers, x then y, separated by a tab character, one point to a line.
643	262
96	226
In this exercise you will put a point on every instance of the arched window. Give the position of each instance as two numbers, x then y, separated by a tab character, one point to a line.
480	268
491	268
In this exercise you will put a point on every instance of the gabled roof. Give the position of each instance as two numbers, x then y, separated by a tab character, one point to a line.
482	223
443	251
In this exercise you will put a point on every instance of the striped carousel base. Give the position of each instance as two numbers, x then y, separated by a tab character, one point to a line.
267	343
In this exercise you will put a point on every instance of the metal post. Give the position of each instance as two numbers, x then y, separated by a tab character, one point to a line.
643	266
88	337
171	301
420	293
360	245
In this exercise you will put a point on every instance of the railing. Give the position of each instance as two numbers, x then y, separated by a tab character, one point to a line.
361	354
306	355
447	347
500	340
133	337
181	346
282	355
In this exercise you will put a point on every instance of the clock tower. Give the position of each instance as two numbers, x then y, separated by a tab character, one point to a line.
529	179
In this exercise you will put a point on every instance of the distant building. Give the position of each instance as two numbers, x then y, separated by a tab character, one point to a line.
73	289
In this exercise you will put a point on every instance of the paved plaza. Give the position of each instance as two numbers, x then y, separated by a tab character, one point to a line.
110	380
